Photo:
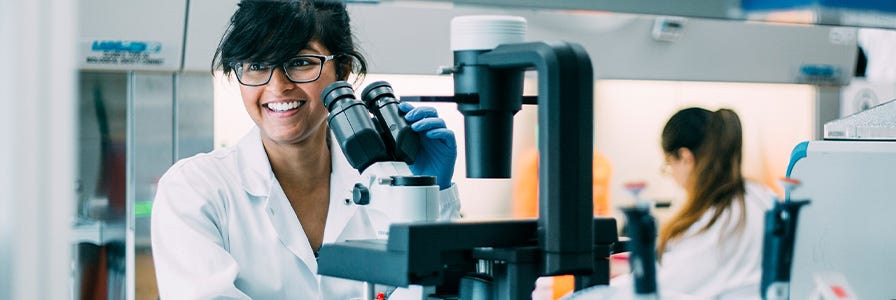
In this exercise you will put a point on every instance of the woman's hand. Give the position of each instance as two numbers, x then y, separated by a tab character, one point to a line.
438	148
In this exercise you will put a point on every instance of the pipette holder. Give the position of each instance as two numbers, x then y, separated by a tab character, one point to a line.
777	247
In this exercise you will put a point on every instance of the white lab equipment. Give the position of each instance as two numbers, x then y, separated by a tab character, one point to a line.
875	124
396	196
848	227
832	286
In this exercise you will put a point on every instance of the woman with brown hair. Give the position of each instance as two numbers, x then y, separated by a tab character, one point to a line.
711	248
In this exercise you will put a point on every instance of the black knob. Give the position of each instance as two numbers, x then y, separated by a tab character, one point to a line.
360	194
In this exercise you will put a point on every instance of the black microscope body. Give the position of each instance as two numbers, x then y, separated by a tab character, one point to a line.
502	259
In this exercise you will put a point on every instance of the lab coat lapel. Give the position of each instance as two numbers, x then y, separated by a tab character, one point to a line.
254	167
342	180
259	181
288	227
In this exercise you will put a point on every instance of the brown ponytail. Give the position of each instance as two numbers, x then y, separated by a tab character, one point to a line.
716	181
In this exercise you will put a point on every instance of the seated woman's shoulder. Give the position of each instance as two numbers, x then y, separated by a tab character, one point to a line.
760	193
203	165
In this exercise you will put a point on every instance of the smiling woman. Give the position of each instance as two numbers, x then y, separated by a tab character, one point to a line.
254	214
274	87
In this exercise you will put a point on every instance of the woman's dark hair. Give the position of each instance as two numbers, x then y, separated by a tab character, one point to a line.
269	31
715	139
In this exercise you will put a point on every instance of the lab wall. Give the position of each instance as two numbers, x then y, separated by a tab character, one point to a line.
629	116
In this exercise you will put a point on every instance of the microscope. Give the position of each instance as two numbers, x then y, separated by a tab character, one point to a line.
378	142
499	259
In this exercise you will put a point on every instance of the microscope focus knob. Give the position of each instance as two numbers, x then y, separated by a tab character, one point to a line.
360	194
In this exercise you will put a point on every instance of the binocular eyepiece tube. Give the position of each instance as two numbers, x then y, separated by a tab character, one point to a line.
351	123
400	139
365	140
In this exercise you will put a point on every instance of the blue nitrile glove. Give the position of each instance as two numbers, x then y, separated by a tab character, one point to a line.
438	149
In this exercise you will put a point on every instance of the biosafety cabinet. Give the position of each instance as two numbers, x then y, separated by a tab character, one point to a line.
145	101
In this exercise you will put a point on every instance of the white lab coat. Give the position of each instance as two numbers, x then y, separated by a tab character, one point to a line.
222	228
719	263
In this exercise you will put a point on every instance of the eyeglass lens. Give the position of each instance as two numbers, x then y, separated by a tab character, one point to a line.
297	69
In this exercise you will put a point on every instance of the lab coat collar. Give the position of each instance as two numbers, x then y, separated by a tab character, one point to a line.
259	181
255	168
288	228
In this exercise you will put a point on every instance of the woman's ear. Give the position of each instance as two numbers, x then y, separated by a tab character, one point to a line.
345	69
685	155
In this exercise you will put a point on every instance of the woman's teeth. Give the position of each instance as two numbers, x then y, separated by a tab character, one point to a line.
283	106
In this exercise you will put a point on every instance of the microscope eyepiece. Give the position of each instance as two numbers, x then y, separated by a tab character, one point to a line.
336	91
375	90
400	139
351	124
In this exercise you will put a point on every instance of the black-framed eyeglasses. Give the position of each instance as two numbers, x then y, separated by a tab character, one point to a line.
299	69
